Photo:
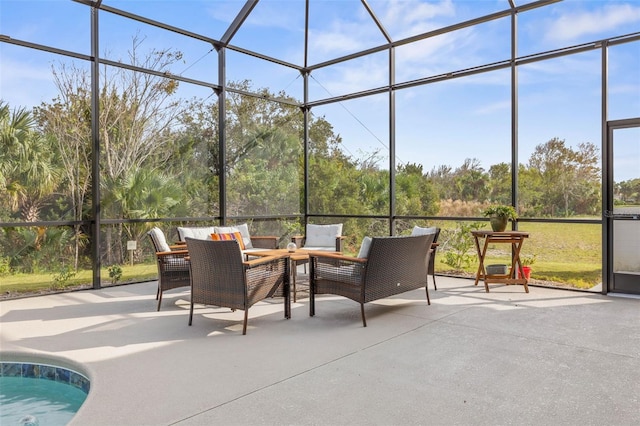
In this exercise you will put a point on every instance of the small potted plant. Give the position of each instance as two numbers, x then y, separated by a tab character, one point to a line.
527	261
499	215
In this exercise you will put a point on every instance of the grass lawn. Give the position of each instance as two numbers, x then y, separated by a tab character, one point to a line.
569	255
35	283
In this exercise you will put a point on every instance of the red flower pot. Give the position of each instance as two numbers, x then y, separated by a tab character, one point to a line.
527	272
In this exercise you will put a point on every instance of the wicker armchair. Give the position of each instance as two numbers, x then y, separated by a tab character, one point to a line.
394	265
173	264
220	277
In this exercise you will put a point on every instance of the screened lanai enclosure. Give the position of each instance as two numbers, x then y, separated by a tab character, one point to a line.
121	115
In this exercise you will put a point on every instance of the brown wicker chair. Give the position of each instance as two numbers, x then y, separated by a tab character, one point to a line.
220	277
173	264
394	265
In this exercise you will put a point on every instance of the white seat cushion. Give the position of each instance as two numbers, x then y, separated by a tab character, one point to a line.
322	235
318	248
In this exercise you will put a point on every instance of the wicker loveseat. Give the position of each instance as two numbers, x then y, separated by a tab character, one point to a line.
392	266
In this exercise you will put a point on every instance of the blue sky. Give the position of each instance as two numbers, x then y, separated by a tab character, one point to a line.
437	124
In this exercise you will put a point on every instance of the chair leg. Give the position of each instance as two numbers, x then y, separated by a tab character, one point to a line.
312	298
246	317
159	299
158	292
364	321
426	287
435	287
191	313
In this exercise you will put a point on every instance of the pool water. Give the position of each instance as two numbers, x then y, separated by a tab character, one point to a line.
31	401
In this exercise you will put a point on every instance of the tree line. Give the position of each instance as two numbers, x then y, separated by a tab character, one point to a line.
160	158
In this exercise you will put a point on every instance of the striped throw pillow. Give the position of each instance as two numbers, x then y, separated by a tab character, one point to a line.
228	237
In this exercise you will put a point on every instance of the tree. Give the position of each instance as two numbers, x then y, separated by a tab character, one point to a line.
415	194
500	183
471	181
569	178
136	123
67	121
28	171
628	192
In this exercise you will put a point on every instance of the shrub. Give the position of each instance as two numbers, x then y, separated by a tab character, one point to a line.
459	245
115	273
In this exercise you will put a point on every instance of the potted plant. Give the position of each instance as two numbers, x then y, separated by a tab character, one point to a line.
527	261
499	215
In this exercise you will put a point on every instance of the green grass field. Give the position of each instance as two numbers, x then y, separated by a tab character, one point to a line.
567	255
13	285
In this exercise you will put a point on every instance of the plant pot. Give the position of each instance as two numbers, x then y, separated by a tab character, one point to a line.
498	223
527	272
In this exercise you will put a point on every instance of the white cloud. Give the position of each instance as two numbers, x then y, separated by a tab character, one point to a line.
573	25
405	17
336	41
416	14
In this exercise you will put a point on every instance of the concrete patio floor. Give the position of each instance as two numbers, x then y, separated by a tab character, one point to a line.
550	357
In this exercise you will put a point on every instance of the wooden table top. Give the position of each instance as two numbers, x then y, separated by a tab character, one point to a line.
487	233
295	255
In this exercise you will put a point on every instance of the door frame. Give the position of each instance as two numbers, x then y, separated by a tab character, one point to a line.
607	200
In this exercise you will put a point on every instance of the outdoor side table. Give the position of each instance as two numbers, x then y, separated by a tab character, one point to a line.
516	239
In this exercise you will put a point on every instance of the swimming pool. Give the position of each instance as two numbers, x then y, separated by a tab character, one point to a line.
40	393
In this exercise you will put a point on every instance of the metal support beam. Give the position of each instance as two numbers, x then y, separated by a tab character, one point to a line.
237	22
392	141
607	176
95	155
514	116
222	135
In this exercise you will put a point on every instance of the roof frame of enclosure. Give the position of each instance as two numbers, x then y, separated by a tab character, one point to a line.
305	69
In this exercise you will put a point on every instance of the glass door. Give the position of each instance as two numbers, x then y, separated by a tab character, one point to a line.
623	206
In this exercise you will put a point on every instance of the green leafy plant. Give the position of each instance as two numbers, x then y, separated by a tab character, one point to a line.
115	273
5	266
501	211
458	245
62	278
528	259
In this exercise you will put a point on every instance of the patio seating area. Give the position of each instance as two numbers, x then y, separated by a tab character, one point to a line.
506	357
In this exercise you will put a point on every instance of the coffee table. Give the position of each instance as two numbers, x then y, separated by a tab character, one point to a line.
295	257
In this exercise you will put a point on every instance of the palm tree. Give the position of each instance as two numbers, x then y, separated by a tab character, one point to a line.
143	194
14	128
27	166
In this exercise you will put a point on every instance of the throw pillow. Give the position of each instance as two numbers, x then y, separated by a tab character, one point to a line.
242	228
423	231
364	248
197	232
159	239
237	236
